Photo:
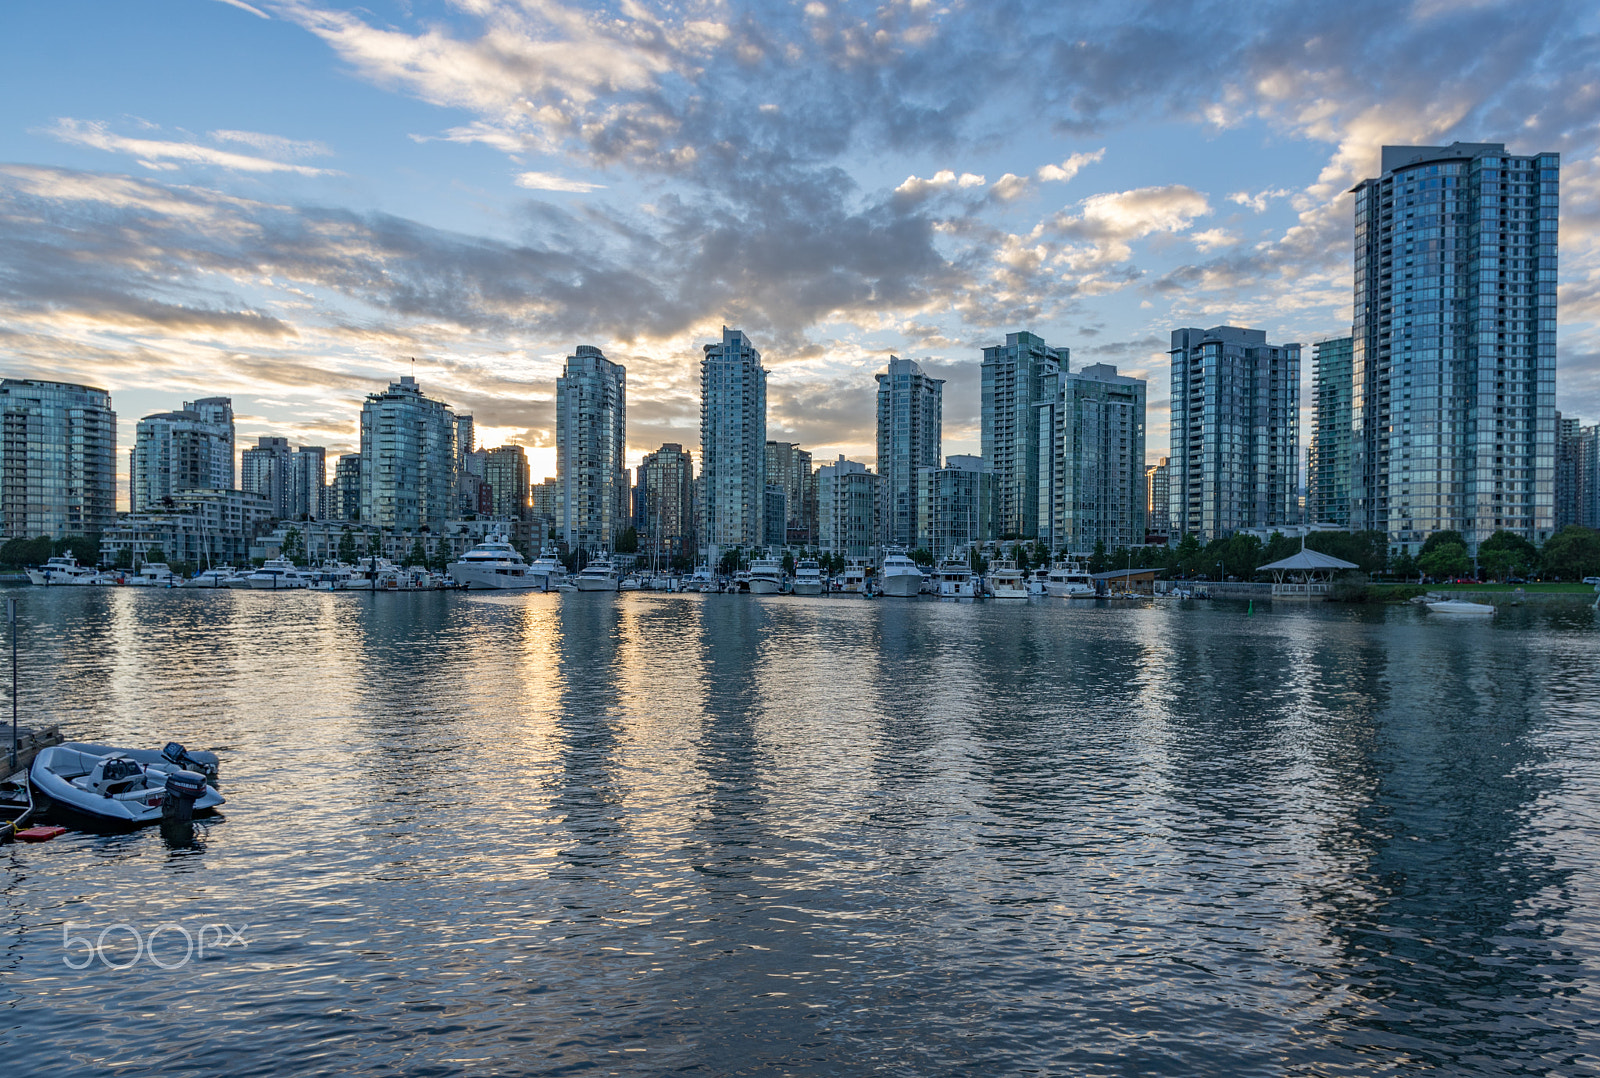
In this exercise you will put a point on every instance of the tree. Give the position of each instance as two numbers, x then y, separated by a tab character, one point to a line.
1573	553
730	562
17	553
1506	554
1368	549
1446	560
628	541
922	556
1403	565
155	553
86	548
788	563
347	546
1099	560
419	553
1441	538
294	546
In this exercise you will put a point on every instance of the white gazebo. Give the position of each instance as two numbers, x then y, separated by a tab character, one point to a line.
1306	575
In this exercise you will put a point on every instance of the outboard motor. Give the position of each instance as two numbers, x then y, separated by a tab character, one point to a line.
184	788
203	762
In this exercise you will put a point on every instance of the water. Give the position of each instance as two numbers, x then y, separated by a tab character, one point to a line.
726	835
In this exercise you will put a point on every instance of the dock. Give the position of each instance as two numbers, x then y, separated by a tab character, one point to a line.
30	742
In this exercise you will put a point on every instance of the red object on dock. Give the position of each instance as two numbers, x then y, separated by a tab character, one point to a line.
40	833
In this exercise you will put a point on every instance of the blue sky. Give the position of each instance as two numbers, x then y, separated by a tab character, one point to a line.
288	201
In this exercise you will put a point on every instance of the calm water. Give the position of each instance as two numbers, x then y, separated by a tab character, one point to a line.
724	835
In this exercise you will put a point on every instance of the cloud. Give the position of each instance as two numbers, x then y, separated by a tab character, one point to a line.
272	145
1258	201
242	6
915	187
164	156
1070	167
549	181
1110	222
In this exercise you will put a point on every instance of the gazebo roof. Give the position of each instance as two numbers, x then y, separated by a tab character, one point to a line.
1307	561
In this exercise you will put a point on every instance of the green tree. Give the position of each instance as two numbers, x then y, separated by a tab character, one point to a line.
418	555
1446	560
347	546
977	562
788	563
19	553
1404	566
1099	560
730	561
1188	555
1441	538
86	548
922	556
1506	554
628	541
294	546
1369	549
1573	553
155	553
124	559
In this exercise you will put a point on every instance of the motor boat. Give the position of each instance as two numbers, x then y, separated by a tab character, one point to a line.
278	574
220	577
153	574
124	786
331	578
1037	581
598	575
854	578
766	576
631	582
60	570
1006	581
808	577
955	580
495	565
1069	580
1460	608
899	576
547	571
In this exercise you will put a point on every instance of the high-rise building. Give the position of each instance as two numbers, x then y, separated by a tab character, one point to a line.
1156	489
470	490
345	496
264	469
1091	461
308	476
190	449
910	419
1328	466
408	459
666	482
1577	494
789	467
1017	376
1235	432
953	504
544	500
591	450
506	475
849	499
733	442
774	517
58	468
1453	400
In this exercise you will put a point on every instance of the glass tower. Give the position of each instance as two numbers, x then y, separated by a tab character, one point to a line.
1328	467
1017	376
733	443
1453	398
58	470
909	422
408	459
591	450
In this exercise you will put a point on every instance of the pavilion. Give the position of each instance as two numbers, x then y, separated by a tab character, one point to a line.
1306	575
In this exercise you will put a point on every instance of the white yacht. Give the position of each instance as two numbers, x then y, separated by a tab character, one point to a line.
598	575
955	580
1037	579
548	571
854	578
153	574
1006	581
278	574
1069	580
900	576
766	576
495	565
331	578
700	580
218	577
61	570
808	577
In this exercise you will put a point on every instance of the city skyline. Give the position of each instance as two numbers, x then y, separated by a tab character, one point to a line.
851	204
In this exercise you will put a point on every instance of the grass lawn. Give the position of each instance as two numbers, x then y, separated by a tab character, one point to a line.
1555	589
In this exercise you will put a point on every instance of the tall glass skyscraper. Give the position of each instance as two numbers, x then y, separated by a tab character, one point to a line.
666	479
1235	459
1453	402
789	467
190	449
1017	376
408	459
1091	462
733	444
58	468
910	416
591	450
1328	467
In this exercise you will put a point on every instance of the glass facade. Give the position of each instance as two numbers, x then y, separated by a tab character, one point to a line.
910	417
666	481
789	466
1235	432
1017	376
58	470
1453	381
591	450
847	509
1328	465
408	459
1091	460
733	443
190	449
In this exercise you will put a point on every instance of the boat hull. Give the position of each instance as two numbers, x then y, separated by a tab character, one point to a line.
765	587
474	579
808	587
902	585
595	584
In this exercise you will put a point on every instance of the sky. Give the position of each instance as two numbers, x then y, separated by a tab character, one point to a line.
295	202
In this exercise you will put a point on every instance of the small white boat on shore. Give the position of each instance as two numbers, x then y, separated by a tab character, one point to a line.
124	786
